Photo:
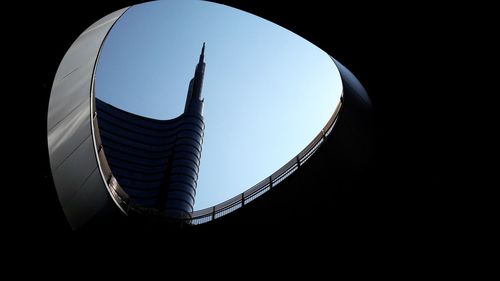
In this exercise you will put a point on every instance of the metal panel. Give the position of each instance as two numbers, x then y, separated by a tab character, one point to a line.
91	197
87	45
68	135
69	93
351	84
76	69
79	184
73	172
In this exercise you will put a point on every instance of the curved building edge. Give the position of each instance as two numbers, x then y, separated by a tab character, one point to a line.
85	187
74	161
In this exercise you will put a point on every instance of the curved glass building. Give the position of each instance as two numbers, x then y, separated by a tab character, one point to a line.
156	162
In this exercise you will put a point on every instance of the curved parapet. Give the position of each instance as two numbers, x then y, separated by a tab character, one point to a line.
77	135
354	94
238	201
340	151
352	85
82	184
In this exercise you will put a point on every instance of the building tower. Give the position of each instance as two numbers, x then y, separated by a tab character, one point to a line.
156	162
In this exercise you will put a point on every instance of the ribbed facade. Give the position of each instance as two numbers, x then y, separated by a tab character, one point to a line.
156	161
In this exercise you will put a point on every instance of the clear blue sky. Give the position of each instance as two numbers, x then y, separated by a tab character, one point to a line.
267	91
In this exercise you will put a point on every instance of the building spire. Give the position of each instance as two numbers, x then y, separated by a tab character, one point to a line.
194	100
202	55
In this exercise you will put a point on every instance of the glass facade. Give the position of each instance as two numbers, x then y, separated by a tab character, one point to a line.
156	162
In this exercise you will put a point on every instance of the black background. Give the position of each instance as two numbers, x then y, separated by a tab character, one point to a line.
395	51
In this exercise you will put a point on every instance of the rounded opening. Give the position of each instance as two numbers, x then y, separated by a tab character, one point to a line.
225	122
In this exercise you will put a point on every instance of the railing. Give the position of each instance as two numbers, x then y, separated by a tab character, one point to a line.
229	206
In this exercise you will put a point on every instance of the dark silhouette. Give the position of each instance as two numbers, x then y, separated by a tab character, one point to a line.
156	162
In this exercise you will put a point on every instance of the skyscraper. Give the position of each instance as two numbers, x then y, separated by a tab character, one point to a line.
156	162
